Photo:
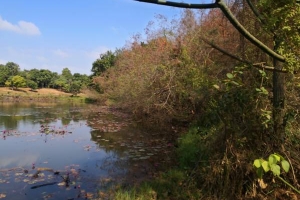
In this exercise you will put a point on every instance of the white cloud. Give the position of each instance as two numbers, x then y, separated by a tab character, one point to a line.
3	62
95	53
41	58
22	27
18	160
61	53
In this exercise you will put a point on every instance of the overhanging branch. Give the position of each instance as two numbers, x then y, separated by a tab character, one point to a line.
246	34
181	5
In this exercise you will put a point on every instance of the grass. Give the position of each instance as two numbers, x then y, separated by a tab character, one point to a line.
144	192
169	185
43	93
177	182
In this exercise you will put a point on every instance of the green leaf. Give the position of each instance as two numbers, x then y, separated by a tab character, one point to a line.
272	160
257	163
265	166
260	172
229	75
281	158
275	169
264	91
285	165
277	157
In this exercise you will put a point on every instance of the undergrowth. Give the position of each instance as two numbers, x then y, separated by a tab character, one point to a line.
215	157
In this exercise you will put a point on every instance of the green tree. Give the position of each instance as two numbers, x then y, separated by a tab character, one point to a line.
60	82
44	78
32	85
75	87
33	75
103	63
55	76
15	82
13	68
67	74
4	74
82	78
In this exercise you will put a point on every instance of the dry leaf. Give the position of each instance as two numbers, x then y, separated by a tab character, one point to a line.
262	184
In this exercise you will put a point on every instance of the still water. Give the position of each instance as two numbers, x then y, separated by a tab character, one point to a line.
47	151
72	151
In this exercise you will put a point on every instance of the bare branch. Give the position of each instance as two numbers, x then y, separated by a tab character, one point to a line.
181	5
224	51
257	65
268	68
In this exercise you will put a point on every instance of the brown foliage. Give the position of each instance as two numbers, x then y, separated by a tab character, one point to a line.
170	77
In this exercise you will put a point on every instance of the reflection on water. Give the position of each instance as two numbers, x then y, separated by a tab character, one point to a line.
18	160
42	146
74	151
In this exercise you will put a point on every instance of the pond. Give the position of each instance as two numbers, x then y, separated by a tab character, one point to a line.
74	151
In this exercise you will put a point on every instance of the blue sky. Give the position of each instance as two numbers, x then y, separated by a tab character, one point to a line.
54	34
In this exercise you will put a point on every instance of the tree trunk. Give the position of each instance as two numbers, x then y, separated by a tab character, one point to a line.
278	98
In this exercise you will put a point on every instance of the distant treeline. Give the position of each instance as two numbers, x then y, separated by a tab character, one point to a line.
12	76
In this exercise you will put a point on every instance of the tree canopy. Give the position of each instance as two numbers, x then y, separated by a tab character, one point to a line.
103	63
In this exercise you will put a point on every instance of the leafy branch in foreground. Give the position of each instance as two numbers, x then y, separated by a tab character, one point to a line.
272	164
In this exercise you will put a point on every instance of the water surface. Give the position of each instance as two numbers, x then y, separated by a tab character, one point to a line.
73	151
37	140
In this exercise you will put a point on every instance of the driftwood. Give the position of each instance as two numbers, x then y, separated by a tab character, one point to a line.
42	185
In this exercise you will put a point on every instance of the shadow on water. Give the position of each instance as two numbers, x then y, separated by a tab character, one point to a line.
74	151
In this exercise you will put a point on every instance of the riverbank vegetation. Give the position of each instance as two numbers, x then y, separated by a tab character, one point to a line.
239	103
235	97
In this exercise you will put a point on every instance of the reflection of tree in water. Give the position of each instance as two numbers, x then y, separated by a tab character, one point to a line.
142	153
8	123
65	120
11	114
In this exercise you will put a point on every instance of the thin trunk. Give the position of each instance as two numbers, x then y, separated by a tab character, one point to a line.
278	97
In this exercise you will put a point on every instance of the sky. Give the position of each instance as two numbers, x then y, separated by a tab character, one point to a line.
55	34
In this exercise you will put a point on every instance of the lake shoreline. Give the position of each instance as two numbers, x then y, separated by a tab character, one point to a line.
39	95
